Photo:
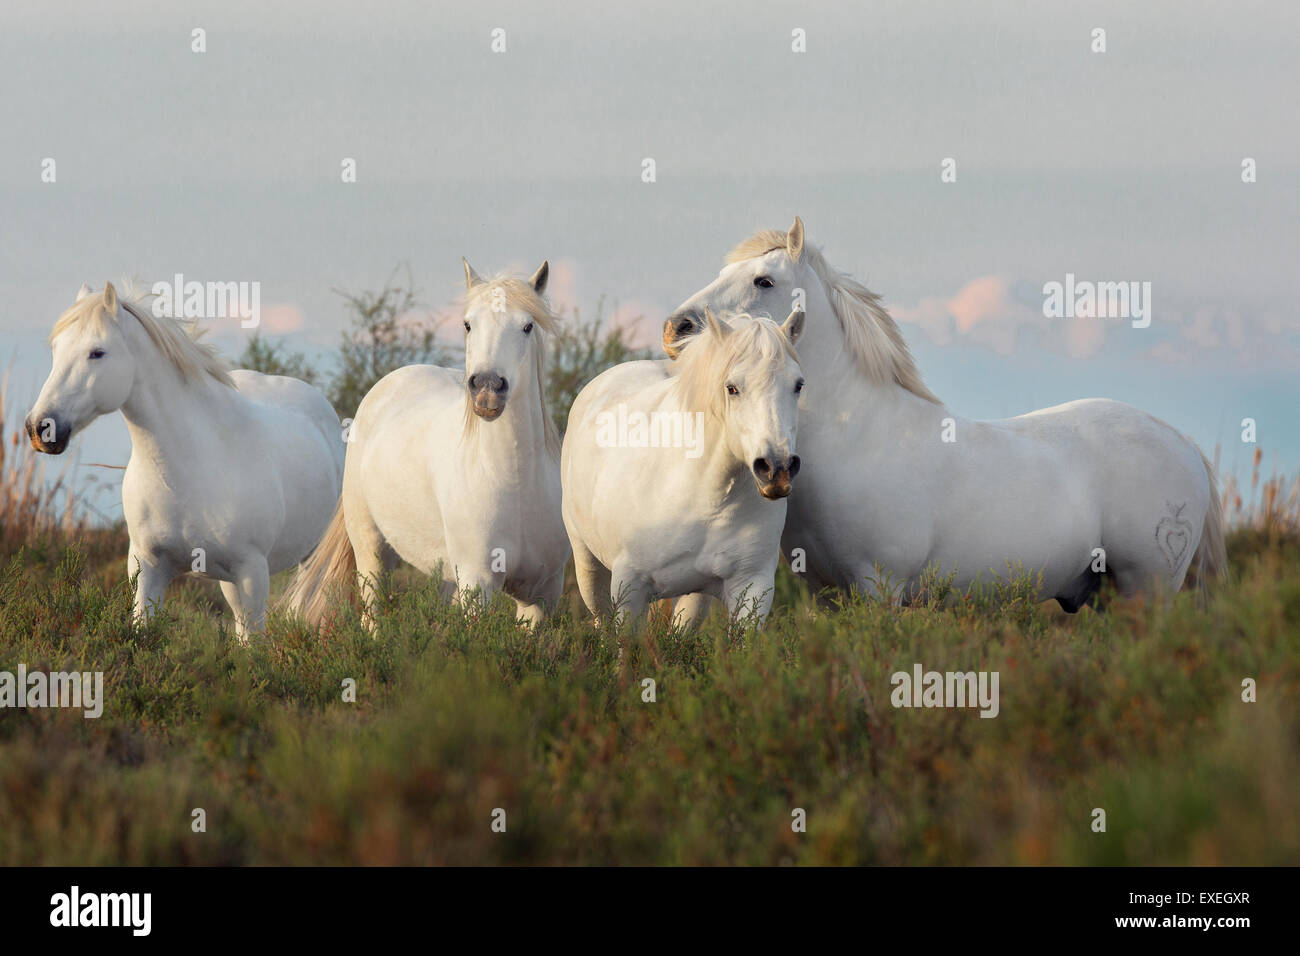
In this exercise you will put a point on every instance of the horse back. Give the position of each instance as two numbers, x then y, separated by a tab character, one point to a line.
287	395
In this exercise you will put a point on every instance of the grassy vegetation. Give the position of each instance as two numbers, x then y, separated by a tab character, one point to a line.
1137	711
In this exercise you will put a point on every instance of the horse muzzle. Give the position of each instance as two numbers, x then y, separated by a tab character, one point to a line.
677	328
37	435
774	480
488	393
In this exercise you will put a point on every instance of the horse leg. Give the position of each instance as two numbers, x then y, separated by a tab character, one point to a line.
690	610
372	566
374	556
593	581
531	616
750	594
150	586
474	592
629	595
1080	591
874	584
476	582
534	615
230	591
247	596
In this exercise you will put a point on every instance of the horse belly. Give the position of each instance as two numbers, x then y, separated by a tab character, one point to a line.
391	472
838	529
1035	511
171	531
703	551
1051	548
540	559
299	462
681	575
405	508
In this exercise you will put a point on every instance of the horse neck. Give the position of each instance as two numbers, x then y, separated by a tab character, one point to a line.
722	468
165	410
823	350
717	467
835	378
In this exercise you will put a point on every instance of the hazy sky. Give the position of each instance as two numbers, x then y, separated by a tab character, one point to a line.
1115	166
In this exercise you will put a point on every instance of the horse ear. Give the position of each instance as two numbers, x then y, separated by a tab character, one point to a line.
110	298
715	325
793	325
540	276
794	240
83	292
472	278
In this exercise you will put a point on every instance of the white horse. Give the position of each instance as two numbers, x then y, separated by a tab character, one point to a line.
658	499
895	480
232	476
456	472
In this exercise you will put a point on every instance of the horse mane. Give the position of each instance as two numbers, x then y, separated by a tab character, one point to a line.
179	342
520	294
871	335
706	361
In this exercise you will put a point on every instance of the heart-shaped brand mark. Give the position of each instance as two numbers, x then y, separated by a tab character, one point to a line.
1176	543
1173	535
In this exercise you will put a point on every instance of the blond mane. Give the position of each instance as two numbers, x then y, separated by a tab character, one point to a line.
871	335
706	361
519	294
179	342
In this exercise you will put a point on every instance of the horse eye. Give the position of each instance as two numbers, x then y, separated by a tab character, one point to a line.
97	353
528	328
764	282
798	386
732	390
466	326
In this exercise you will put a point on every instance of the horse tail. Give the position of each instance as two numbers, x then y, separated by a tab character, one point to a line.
1211	557
328	568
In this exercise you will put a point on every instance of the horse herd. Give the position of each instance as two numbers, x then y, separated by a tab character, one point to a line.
236	475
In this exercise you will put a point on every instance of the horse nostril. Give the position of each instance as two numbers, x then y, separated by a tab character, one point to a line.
685	323
794	466
762	467
504	384
473	383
